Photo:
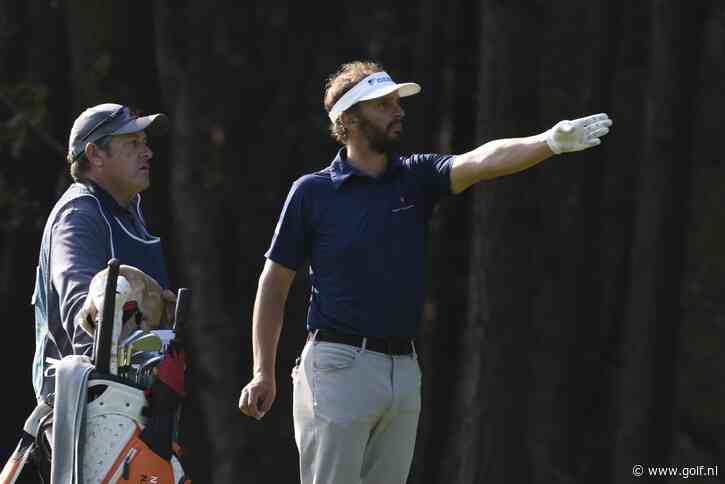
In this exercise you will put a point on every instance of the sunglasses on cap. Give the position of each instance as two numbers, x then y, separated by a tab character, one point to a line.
99	125
103	122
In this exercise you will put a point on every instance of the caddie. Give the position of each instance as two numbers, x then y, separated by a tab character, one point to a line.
98	217
361	225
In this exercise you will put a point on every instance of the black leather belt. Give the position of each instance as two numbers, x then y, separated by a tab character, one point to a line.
391	346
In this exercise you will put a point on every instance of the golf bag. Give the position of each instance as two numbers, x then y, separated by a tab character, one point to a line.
113	418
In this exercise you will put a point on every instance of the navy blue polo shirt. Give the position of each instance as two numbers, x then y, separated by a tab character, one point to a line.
365	240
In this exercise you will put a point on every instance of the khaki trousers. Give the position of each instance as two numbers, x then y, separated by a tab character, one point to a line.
355	414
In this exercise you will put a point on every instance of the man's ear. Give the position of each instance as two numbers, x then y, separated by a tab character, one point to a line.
348	119
93	154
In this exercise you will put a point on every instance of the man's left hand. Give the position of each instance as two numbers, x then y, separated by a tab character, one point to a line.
579	134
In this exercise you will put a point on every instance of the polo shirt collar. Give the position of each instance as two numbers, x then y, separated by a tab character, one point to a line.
106	199
341	170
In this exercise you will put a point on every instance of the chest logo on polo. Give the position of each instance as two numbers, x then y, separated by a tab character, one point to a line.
406	207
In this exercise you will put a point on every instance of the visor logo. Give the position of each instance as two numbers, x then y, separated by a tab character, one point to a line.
379	80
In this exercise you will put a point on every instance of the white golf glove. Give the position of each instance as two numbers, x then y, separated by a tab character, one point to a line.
579	134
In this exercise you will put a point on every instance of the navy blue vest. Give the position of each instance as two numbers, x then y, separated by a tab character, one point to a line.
121	241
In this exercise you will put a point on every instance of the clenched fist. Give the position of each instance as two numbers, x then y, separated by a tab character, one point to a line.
257	397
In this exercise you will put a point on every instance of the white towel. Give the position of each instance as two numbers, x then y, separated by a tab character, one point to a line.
71	381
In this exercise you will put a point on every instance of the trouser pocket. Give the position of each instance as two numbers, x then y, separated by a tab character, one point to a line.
339	388
329	357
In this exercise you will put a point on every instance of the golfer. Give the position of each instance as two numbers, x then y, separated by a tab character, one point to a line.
361	225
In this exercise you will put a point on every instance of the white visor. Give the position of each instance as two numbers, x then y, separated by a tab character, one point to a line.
373	86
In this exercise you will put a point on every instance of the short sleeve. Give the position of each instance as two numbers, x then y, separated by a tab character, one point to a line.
291	235
432	173
435	171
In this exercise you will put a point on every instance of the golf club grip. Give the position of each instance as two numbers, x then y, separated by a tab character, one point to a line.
183	307
102	355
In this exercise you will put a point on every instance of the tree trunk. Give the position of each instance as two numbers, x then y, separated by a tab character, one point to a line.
648	398
702	415
568	407
432	127
489	440
190	69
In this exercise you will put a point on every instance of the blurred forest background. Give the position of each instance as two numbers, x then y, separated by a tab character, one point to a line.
575	313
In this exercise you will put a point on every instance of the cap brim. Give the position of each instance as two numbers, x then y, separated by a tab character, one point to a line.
404	89
153	125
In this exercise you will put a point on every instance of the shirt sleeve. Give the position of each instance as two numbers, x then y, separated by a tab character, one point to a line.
291	237
79	250
435	171
433	175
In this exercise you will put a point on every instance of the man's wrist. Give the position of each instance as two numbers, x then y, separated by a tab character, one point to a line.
263	373
548	137
543	141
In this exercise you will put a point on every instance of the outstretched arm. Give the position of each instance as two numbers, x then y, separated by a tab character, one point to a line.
506	156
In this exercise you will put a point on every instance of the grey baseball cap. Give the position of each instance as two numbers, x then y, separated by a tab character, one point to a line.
111	119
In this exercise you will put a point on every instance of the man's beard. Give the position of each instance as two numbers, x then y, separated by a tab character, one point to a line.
380	141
